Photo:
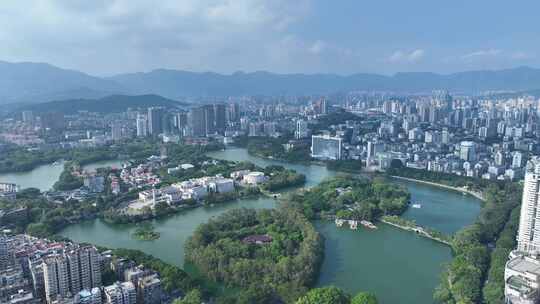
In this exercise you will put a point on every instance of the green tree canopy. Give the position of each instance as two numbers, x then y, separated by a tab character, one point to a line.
192	297
364	298
325	295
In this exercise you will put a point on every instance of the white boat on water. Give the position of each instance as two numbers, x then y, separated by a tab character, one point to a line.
368	224
417	206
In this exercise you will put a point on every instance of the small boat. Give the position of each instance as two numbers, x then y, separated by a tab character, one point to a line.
339	222
417	206
353	225
368	224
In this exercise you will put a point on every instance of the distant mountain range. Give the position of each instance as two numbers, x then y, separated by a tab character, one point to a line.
109	104
40	82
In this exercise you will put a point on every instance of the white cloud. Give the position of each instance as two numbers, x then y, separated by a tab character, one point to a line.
317	47
520	55
103	36
416	55
482	53
400	56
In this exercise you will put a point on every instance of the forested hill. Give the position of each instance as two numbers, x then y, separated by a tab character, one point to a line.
109	104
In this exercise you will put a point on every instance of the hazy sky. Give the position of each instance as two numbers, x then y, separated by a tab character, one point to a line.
105	37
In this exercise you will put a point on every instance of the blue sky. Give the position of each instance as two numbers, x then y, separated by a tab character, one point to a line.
306	36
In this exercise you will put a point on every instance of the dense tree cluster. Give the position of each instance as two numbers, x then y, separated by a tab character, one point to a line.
269	147
350	198
334	295
47	218
464	279
281	269
192	297
68	181
494	288
16	159
282	178
443	178
345	165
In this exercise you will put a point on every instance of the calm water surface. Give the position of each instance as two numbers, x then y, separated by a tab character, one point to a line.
398	266
42	177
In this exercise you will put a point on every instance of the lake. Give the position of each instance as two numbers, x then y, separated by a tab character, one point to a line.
398	266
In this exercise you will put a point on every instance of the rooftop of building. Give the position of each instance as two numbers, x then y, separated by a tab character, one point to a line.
525	264
521	285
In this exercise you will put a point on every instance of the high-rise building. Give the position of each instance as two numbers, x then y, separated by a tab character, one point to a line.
74	264
209	119
181	121
120	293
155	121
142	126
302	130
373	148
38	281
197	122
269	128
166	123
7	256
529	231
522	271
467	151
53	121
445	136
326	147
91	273
28	117
220	117
233	112
68	273
56	275
116	131
149	290
256	129
517	160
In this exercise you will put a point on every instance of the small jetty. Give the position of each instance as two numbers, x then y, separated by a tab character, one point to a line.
353	224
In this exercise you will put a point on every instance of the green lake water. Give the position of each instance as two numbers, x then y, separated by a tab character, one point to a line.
398	266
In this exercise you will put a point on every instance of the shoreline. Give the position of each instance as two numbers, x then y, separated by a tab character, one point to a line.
475	194
416	231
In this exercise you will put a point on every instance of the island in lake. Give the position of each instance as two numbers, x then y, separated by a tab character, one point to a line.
146	233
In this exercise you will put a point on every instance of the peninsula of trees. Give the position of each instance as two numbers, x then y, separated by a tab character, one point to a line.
271	255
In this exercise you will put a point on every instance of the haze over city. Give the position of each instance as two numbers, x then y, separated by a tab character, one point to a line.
269	152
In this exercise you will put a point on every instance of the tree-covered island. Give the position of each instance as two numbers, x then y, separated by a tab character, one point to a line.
350	198
271	255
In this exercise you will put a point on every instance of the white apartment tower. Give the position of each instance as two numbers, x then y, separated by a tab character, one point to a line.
302	130
56	275
529	223
142	126
71	272
120	293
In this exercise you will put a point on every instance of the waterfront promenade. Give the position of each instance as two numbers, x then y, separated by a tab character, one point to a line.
478	195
